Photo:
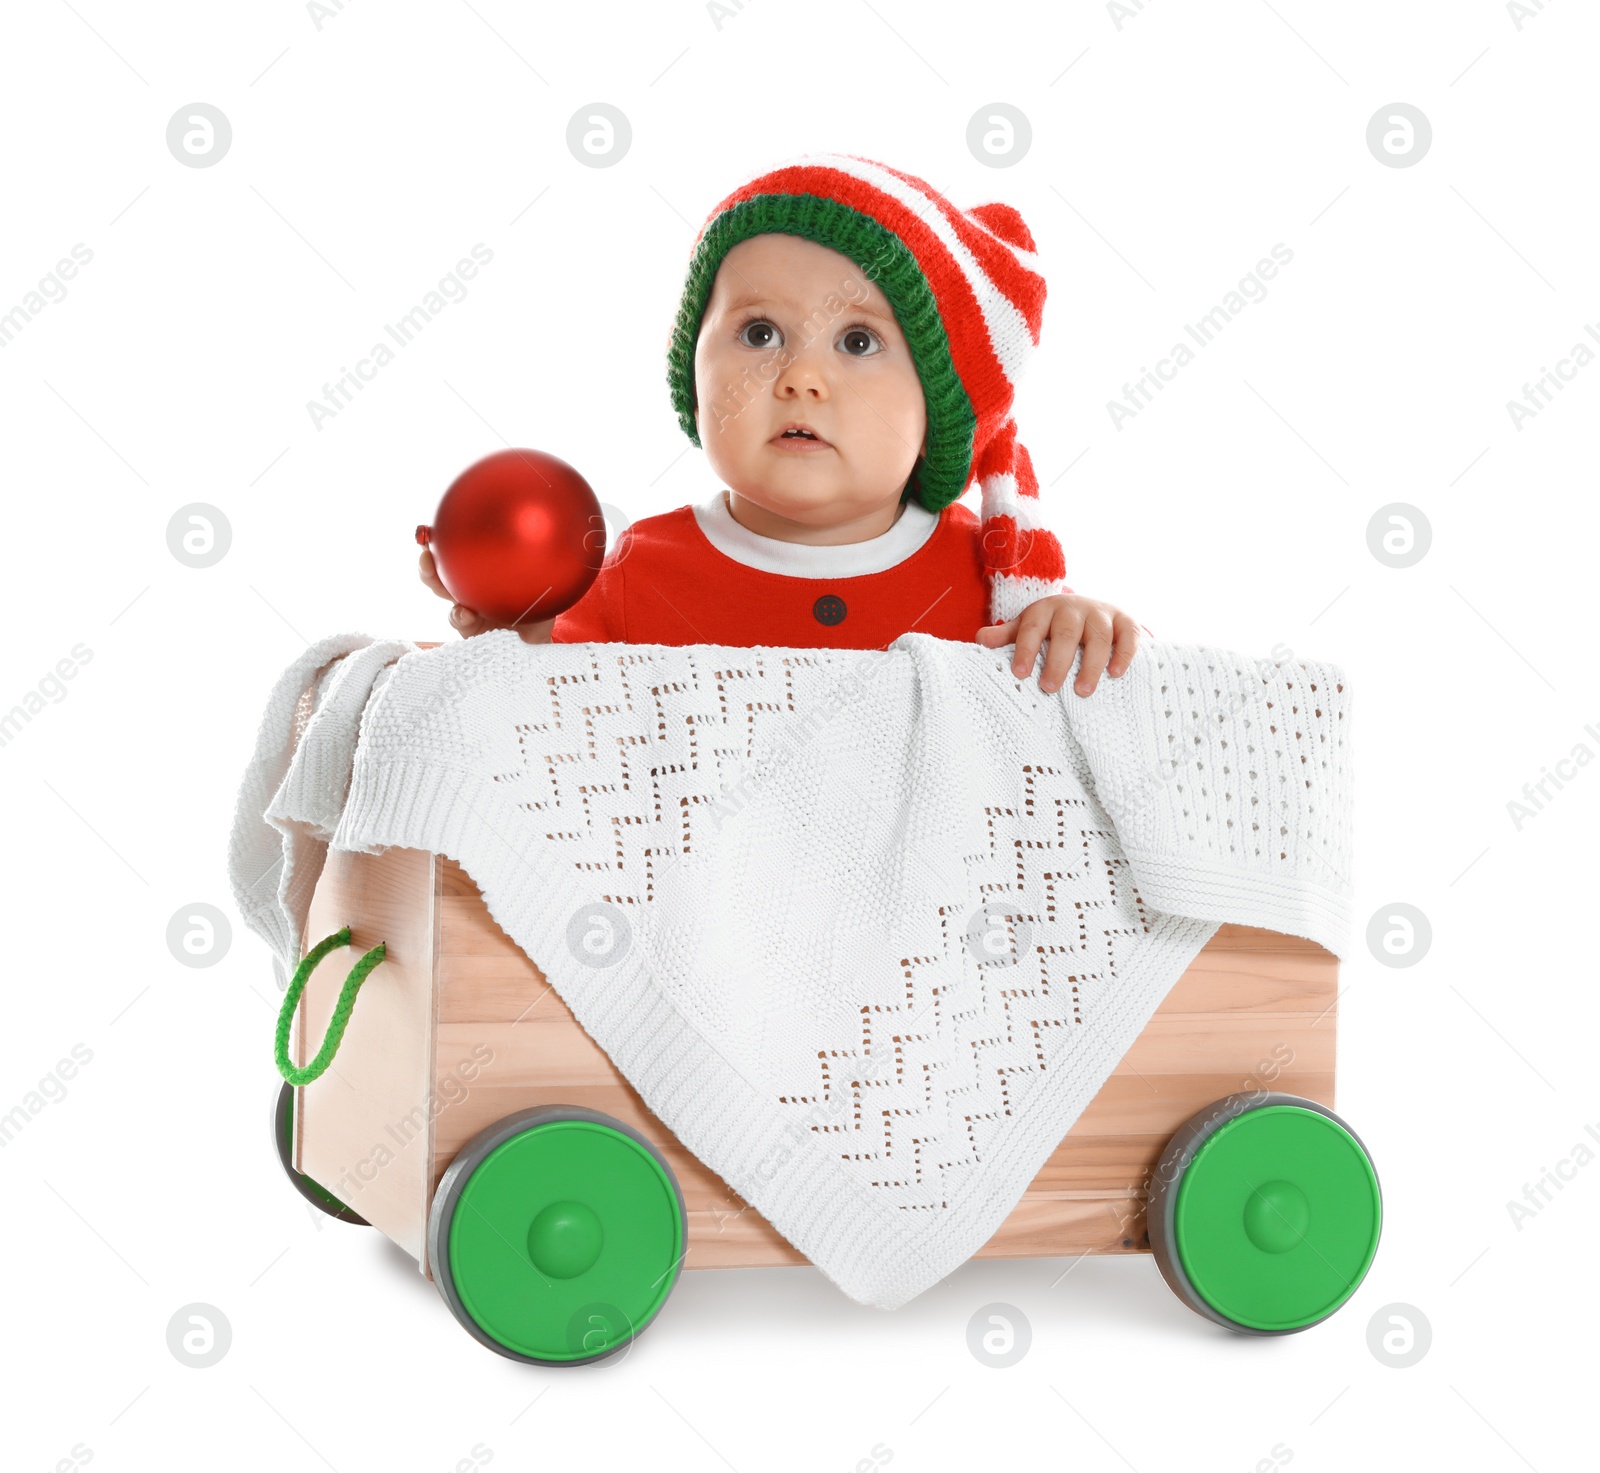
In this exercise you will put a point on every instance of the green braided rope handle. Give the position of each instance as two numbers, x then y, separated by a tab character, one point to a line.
341	1009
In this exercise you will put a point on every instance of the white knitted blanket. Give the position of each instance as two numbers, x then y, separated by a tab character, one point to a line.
866	929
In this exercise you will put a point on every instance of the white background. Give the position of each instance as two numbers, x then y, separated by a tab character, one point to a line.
1168	155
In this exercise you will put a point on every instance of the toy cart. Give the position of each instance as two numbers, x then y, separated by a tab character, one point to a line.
469	1117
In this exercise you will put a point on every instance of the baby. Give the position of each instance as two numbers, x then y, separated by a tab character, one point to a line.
846	352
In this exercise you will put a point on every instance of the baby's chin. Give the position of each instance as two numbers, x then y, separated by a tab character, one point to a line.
821	504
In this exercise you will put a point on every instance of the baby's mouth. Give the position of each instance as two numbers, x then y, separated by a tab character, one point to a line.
796	435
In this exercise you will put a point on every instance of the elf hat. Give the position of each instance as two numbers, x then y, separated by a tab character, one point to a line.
966	290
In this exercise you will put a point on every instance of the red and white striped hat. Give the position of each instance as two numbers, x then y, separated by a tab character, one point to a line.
966	290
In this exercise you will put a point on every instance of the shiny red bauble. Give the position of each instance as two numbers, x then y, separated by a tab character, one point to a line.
518	537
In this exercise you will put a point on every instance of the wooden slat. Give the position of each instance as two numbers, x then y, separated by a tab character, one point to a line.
1126	1105
1044	1226
485	1104
1037	1227
738	1239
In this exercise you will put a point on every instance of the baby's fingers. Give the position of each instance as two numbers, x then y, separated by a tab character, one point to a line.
430	574
1097	636
1032	630
1063	650
467	622
1127	638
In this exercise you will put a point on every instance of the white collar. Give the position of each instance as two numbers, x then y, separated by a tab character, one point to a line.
911	529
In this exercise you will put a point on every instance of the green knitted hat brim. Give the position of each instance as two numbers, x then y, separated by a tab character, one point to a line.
947	464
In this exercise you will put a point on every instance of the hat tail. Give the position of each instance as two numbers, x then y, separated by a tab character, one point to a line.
1023	559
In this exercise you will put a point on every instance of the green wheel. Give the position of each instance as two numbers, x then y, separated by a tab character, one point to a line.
283	1139
556	1235
1265	1212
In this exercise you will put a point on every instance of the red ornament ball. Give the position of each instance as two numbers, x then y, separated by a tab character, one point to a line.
519	537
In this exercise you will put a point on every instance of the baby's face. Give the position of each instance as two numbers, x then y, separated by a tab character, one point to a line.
794	331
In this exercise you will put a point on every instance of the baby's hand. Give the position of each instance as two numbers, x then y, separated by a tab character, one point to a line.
1066	620
467	621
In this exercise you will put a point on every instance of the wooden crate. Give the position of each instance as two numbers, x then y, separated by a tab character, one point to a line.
1255	1010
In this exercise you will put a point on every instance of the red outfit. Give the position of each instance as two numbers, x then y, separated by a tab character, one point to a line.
695	576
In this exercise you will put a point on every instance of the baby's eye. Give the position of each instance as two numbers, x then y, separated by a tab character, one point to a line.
858	342
759	324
